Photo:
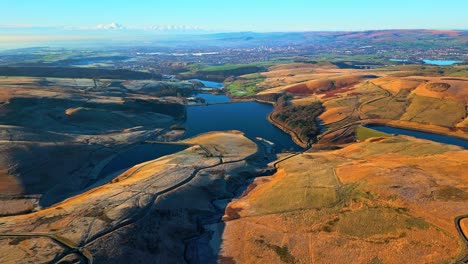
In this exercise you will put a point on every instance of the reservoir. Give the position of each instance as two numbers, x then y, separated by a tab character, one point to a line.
417	134
248	117
214	98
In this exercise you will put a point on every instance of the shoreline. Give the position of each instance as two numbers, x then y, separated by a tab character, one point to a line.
427	128
437	130
291	133
417	127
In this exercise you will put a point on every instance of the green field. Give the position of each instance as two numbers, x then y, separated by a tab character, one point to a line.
220	72
363	133
246	85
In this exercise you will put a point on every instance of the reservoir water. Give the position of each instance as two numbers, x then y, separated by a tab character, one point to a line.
423	135
210	84
214	98
248	117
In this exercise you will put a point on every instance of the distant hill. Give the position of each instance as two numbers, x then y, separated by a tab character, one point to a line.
75	72
171	36
321	36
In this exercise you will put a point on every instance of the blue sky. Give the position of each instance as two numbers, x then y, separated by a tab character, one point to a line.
254	15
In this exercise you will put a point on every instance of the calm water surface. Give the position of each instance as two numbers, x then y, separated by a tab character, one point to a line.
248	117
214	98
423	135
210	84
441	62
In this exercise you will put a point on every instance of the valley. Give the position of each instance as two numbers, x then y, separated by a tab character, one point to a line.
297	158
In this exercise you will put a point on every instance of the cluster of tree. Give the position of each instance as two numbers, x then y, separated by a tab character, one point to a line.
168	89
270	97
173	91
299	118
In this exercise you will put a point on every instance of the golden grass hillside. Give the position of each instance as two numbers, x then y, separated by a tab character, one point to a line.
378	201
420	97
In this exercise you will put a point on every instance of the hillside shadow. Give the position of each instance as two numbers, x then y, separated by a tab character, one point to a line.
58	172
206	247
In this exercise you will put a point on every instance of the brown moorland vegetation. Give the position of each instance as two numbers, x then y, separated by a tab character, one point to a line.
378	200
412	96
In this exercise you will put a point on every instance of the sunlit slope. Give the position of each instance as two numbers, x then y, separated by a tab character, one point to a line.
375	201
428	98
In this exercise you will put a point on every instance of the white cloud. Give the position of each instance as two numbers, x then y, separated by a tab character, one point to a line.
160	28
111	26
172	28
116	27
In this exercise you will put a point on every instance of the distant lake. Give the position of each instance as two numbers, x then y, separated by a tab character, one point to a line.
417	134
214	98
210	84
441	62
399	60
248	117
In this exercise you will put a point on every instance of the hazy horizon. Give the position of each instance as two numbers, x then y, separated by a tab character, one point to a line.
260	15
26	37
28	23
